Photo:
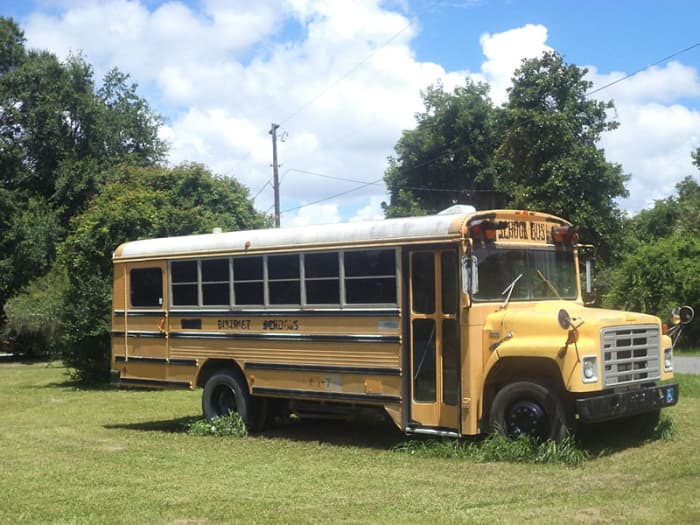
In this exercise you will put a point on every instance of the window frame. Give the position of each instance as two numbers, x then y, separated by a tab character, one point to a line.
339	279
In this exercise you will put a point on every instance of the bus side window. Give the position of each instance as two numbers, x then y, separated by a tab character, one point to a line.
370	277
146	287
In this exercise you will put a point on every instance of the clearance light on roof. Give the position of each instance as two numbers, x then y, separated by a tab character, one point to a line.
565	234
485	230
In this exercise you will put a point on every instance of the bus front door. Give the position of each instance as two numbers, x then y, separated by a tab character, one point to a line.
434	339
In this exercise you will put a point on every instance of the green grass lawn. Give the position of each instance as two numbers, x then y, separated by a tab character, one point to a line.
103	456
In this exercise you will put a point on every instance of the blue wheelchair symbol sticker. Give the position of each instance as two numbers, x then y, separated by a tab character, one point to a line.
669	395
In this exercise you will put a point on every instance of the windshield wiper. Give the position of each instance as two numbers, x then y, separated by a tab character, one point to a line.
509	290
549	284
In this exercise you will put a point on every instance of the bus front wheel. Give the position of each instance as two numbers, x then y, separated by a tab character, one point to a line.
224	394
530	409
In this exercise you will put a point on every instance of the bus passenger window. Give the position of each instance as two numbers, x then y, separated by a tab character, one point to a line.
370	277
215	282
146	287
248	281
283	279
184	283
322	278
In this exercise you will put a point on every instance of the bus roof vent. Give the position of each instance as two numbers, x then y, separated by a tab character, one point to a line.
458	209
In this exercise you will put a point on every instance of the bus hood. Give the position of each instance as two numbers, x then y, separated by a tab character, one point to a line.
537	325
547	313
534	331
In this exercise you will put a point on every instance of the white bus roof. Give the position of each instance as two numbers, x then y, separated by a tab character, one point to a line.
411	229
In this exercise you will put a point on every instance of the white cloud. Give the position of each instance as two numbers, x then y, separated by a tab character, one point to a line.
664	84
313	214
372	212
343	80
504	54
656	133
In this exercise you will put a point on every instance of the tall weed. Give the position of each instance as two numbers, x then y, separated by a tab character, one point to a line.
498	448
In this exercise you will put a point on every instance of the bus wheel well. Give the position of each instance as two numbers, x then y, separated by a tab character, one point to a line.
216	365
511	369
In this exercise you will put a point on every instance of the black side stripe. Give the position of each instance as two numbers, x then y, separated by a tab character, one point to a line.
334	396
146	334
157	360
152	382
389	312
183	362
140	313
393	312
289	337
378	371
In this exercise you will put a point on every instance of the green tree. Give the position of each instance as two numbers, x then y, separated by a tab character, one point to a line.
538	151
59	134
448	157
12	52
689	206
138	203
657	276
549	156
658	267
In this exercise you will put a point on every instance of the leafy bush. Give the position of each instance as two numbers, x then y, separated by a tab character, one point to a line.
34	316
231	425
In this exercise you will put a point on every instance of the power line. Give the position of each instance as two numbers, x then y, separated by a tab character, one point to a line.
257	194
323	175
630	75
331	196
364	184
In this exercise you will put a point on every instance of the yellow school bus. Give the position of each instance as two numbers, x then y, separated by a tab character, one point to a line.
454	324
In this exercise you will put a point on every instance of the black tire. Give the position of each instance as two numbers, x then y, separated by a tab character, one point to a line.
530	409
226	392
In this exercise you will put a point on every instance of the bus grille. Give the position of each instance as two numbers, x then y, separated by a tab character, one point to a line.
630	354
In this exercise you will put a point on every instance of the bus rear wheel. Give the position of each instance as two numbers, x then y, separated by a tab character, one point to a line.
526	408
226	393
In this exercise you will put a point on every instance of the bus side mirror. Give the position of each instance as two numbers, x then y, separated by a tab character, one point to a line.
470	275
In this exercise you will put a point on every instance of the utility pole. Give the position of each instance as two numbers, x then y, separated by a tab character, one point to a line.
275	173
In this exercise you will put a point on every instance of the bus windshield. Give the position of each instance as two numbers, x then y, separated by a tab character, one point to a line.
533	274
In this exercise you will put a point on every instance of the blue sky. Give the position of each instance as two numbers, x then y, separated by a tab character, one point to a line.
615	35
343	78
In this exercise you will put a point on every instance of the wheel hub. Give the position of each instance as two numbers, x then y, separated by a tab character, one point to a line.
224	401
527	418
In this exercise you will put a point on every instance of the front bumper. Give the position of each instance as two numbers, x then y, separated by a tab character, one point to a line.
623	404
